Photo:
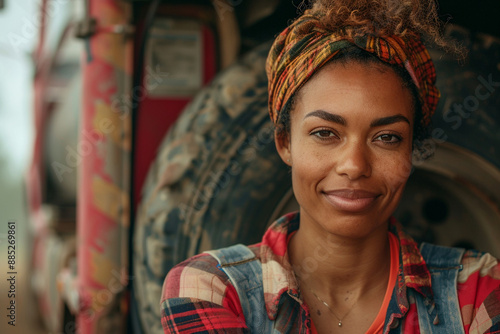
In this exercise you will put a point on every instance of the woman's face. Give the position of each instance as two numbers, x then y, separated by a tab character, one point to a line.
350	147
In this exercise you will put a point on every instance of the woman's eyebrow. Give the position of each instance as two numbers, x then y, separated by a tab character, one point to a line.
389	120
327	117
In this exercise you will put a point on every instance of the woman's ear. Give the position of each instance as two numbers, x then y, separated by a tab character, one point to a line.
282	142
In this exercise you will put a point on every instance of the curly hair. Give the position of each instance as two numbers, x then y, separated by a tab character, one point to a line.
386	17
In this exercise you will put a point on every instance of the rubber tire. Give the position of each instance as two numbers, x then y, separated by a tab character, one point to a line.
476	126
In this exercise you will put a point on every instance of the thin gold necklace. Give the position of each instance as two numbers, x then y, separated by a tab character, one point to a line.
328	306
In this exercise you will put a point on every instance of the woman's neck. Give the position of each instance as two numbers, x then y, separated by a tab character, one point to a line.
340	267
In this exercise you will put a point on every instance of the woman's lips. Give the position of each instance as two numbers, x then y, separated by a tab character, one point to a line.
351	200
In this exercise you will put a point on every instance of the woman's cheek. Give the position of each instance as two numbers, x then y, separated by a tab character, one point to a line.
400	172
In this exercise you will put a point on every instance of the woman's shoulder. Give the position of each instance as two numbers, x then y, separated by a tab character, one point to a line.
479	276
479	291
197	294
478	270
198	274
481	264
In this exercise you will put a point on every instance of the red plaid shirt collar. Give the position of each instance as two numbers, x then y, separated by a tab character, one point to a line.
279	278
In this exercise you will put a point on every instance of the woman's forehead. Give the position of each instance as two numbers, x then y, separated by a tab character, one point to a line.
346	87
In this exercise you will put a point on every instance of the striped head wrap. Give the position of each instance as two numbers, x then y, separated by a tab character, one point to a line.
305	47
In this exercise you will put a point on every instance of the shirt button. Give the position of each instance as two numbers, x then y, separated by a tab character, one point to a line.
395	324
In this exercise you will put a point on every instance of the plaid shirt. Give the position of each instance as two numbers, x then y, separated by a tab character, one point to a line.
198	297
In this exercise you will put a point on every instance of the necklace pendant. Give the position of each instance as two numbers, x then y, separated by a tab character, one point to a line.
340	323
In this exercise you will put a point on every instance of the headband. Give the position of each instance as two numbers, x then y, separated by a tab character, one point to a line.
305	47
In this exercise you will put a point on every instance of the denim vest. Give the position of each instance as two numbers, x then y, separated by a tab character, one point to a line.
245	273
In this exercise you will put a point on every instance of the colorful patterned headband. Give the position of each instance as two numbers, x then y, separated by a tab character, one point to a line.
305	46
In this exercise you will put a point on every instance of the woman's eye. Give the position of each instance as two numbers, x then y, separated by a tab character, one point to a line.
323	134
389	138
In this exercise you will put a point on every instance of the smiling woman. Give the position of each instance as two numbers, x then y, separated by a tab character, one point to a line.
349	148
351	92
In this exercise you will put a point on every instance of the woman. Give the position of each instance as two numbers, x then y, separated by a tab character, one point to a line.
351	91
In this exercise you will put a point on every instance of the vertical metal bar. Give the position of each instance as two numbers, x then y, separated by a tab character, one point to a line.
103	207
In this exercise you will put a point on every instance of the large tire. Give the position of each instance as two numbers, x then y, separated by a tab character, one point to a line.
468	112
216	181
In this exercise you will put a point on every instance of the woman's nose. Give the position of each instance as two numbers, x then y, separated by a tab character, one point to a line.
353	161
